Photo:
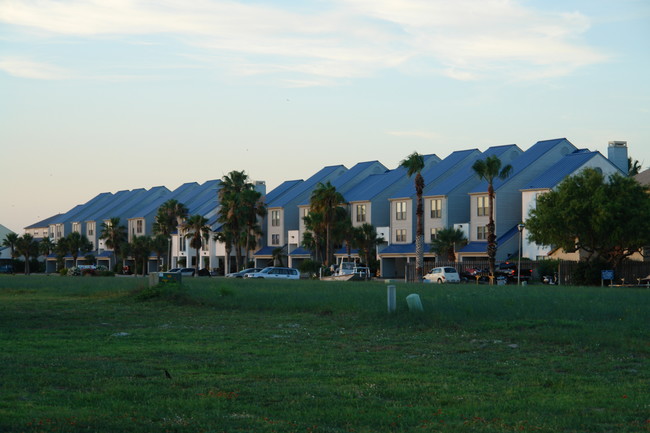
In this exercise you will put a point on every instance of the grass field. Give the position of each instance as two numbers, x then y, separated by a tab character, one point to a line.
110	355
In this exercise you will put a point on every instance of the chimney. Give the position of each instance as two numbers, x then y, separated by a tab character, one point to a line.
617	155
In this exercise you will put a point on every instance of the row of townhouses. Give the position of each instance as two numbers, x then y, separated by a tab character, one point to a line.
453	197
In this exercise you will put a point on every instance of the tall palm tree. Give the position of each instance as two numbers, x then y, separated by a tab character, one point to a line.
254	209
312	238
114	235
10	242
170	214
159	244
446	242
633	167
234	212
325	199
414	164
197	231
489	169
224	237
27	247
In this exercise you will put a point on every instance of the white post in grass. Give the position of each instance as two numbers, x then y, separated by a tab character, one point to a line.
392	298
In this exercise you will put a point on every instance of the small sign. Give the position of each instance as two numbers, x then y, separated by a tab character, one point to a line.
170	277
607	275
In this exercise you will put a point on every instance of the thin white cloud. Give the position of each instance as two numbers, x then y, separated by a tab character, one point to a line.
463	39
25	68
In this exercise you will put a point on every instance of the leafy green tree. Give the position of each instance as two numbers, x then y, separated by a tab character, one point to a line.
77	244
605	218
114	236
170	214
27	247
197	231
414	164
325	200
447	241
490	169
10	242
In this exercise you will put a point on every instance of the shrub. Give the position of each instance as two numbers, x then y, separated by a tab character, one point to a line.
74	271
588	273
63	272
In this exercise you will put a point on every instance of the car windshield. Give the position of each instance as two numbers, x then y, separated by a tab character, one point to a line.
266	270
452	270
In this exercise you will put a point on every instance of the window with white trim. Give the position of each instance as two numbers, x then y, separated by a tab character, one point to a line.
436	208
400	210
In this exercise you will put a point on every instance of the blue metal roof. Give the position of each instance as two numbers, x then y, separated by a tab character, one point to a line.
182	194
466	172
563	168
351	178
439	171
399	249
533	154
481	246
300	251
304	187
70	215
281	189
344	251
44	223
374	185
266	251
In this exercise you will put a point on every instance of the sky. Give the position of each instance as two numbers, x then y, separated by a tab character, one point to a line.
101	96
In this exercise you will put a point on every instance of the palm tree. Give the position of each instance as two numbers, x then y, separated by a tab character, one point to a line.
224	237
447	241
61	249
46	246
159	244
140	247
367	239
114	235
170	214
10	242
278	256
197	230
312	238
325	199
489	169
414	164
633	167
254	209
77	244
27	247
236	196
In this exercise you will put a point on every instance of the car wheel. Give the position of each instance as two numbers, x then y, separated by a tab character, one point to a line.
439	280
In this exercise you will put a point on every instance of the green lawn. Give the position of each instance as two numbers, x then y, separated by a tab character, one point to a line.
90	354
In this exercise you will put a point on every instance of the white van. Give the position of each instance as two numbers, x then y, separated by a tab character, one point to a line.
443	274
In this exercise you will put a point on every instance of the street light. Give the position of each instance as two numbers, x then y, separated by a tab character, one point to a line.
520	227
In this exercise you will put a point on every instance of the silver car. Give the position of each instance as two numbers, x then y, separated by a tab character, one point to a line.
275	273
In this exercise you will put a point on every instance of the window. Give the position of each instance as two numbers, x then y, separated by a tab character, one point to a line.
436	208
181	241
275	218
361	213
139	226
76	227
434	234
91	229
305	213
482	206
275	239
400	235
481	232
400	210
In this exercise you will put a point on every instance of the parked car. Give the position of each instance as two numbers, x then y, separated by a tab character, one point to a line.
241	274
444	274
276	273
6	269
186	272
509	271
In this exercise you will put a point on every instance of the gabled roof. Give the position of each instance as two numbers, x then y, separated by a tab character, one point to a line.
399	249
300	251
524	161
281	189
563	168
97	201
304	187
351	178
466	172
375	184
481	246
43	223
205	198
440	171
182	194
111	209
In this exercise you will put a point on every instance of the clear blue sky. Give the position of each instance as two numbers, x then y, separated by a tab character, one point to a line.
101	96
